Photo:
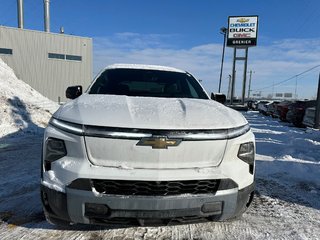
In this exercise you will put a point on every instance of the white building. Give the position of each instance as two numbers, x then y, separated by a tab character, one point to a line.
48	62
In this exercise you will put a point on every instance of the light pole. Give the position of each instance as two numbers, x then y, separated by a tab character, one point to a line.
223	31
229	87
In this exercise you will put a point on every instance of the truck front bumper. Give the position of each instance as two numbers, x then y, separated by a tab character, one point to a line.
81	206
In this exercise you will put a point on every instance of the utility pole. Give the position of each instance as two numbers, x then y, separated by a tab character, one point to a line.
272	88
317	116
295	89
249	89
229	87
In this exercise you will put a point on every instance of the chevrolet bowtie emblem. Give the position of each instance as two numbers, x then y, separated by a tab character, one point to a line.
243	20
159	142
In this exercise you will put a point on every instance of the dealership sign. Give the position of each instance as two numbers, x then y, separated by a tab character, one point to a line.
242	31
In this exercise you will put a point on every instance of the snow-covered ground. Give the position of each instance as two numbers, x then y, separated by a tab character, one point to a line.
286	205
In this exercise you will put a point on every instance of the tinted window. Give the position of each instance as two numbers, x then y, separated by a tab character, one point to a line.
148	83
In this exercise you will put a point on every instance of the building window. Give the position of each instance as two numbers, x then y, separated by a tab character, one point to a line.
7	51
56	56
73	57
64	57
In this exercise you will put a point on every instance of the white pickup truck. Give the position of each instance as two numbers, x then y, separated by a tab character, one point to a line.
145	143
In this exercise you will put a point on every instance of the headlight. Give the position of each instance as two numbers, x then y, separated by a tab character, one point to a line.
67	126
236	132
246	154
218	134
55	149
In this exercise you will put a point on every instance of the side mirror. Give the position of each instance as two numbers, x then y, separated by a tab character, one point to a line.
73	92
219	97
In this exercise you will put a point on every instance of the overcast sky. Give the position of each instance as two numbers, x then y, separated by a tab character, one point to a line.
185	34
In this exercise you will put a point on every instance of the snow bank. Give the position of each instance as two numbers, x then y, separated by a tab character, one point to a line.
22	109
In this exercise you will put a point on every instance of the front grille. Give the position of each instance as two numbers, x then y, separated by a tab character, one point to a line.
152	222
153	188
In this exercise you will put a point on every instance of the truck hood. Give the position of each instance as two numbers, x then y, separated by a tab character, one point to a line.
149	113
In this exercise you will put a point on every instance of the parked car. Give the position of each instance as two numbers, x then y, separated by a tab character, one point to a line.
282	109
255	105
271	108
145	143
296	111
261	106
309	116
250	104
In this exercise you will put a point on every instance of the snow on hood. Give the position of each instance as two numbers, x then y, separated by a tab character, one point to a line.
22	109
149	113
143	66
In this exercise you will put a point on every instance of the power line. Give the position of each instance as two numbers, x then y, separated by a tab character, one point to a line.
288	79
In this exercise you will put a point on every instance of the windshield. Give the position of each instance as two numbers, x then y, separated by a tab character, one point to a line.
147	83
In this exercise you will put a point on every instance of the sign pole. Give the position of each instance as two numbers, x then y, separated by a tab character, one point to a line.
244	77
242	34
233	81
